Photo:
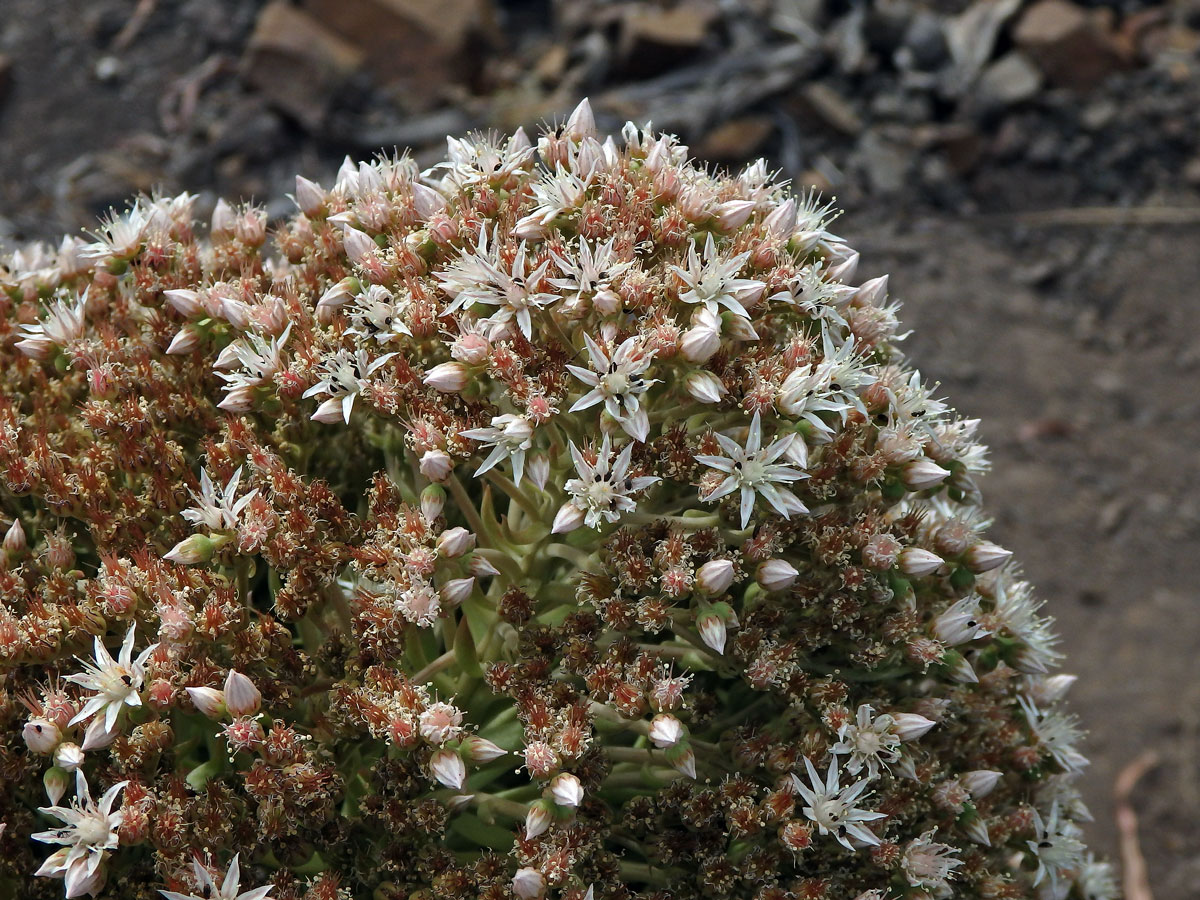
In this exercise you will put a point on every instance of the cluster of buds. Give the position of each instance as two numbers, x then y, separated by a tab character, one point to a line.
560	521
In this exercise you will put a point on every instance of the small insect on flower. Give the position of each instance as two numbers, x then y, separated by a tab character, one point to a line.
601	492
834	809
116	682
229	889
617	381
90	834
342	377
753	471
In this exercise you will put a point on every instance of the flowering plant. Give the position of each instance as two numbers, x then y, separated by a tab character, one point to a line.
561	521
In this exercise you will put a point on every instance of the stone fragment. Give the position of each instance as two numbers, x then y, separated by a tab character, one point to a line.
1073	47
831	108
297	63
736	140
654	39
420	45
1011	79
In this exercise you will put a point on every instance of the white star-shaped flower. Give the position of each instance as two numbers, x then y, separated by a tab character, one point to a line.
116	682
834	809
754	472
229	889
713	282
89	835
617	382
601	492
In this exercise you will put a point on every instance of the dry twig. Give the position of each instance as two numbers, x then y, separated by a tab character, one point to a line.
1135	881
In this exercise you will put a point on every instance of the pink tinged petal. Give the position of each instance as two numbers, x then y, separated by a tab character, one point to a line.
110	716
637	426
747	504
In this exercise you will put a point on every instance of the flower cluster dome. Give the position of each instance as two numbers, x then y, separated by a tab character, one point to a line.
561	521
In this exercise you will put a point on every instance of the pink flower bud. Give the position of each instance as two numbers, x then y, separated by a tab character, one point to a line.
582	123
985	556
683	758
481	567
454	542
309	196
733	213
330	411
14	538
457	590
224	218
922	474
715	577
97	736
358	244
210	701
568	518
436	465
184	301
537	819
665	731
529	884
566	789
712	631
705	386
55	781
41	735
448	768
873	292
917	562
782	219
776	575
844	270
537	468
426	201
186	340
433	499
481	750
448	377
68	757
242	698
700	343
197	548
910	726
976	829
981	782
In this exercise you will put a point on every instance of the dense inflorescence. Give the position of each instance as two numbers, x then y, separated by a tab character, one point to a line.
561	521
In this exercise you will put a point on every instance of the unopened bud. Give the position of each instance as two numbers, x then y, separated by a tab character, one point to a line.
481	750
184	301
910	726
568	518
985	556
309	196
582	123
566	789
457	590
186	340
436	465
97	736
480	567
448	377
980	782
776	575
665	731
210	701
537	819
915	561
454	542
683	758
700	343
14	538
705	386
733	213
41	735
715	577
433	499
537	467
55	781
68	756
242	698
448	768
358	244
712	631
195	549
529	884
922	474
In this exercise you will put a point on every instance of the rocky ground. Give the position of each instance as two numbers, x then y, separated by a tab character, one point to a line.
1027	171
